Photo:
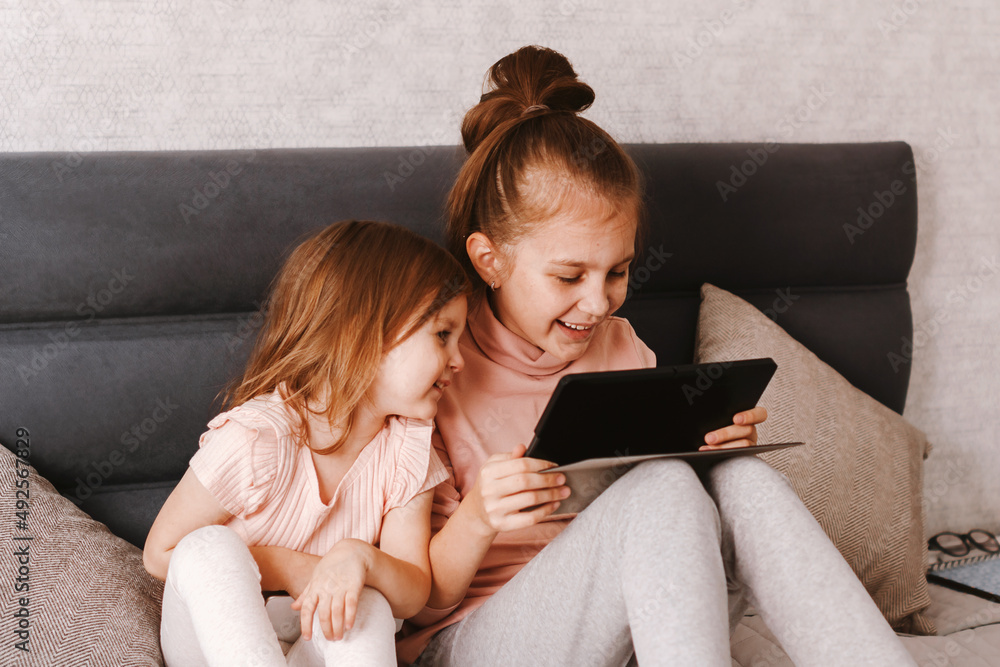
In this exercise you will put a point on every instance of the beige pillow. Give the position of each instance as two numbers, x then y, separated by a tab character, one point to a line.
89	601
861	470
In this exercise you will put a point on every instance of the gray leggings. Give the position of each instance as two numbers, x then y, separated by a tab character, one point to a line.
661	567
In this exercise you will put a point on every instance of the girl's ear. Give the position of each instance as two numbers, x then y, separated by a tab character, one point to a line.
484	257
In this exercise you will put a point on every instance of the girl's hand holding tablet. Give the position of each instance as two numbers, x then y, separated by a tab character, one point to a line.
509	483
743	433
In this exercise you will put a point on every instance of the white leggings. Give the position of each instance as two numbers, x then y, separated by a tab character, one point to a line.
214	614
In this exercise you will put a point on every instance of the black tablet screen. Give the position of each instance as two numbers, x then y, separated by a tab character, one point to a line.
647	411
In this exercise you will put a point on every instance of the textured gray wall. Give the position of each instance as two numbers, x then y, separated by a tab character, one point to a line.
180	74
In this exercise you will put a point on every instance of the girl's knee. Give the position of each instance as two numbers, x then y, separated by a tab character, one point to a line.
208	548
373	624
745	487
374	609
658	474
205	541
667	483
745	472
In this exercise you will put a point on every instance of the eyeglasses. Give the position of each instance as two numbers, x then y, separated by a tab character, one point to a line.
954	544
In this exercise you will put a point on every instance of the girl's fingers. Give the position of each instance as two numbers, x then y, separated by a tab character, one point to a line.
513	504
336	618
336	615
524	519
308	607
735	444
515	453
729	433
350	610
757	415
501	469
325	622
507	486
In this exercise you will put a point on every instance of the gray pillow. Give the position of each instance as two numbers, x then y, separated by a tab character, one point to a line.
87	598
861	470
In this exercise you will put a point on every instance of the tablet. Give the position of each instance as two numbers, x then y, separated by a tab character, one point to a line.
648	412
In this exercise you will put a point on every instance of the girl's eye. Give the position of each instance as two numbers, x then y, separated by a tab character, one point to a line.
617	274
568	281
443	335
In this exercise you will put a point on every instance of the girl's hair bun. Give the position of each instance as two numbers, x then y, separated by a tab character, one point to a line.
532	76
527	119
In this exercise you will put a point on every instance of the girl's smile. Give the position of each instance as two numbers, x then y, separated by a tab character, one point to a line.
576	332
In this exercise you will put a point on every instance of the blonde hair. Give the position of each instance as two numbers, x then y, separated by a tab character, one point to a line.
344	298
526	127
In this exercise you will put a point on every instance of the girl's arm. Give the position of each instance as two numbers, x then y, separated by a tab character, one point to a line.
191	506
398	568
507	484
283	569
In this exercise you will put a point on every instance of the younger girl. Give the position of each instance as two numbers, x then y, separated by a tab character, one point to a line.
324	453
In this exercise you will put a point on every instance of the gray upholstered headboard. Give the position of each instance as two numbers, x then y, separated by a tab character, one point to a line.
129	282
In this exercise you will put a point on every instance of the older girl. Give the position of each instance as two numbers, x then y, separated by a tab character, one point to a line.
546	212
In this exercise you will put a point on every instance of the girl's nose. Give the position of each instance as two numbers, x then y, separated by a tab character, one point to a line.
457	362
596	300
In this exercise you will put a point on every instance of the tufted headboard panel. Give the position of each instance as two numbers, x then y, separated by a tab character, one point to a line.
130	283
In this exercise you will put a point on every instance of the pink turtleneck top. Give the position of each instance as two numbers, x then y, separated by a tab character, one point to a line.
492	406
